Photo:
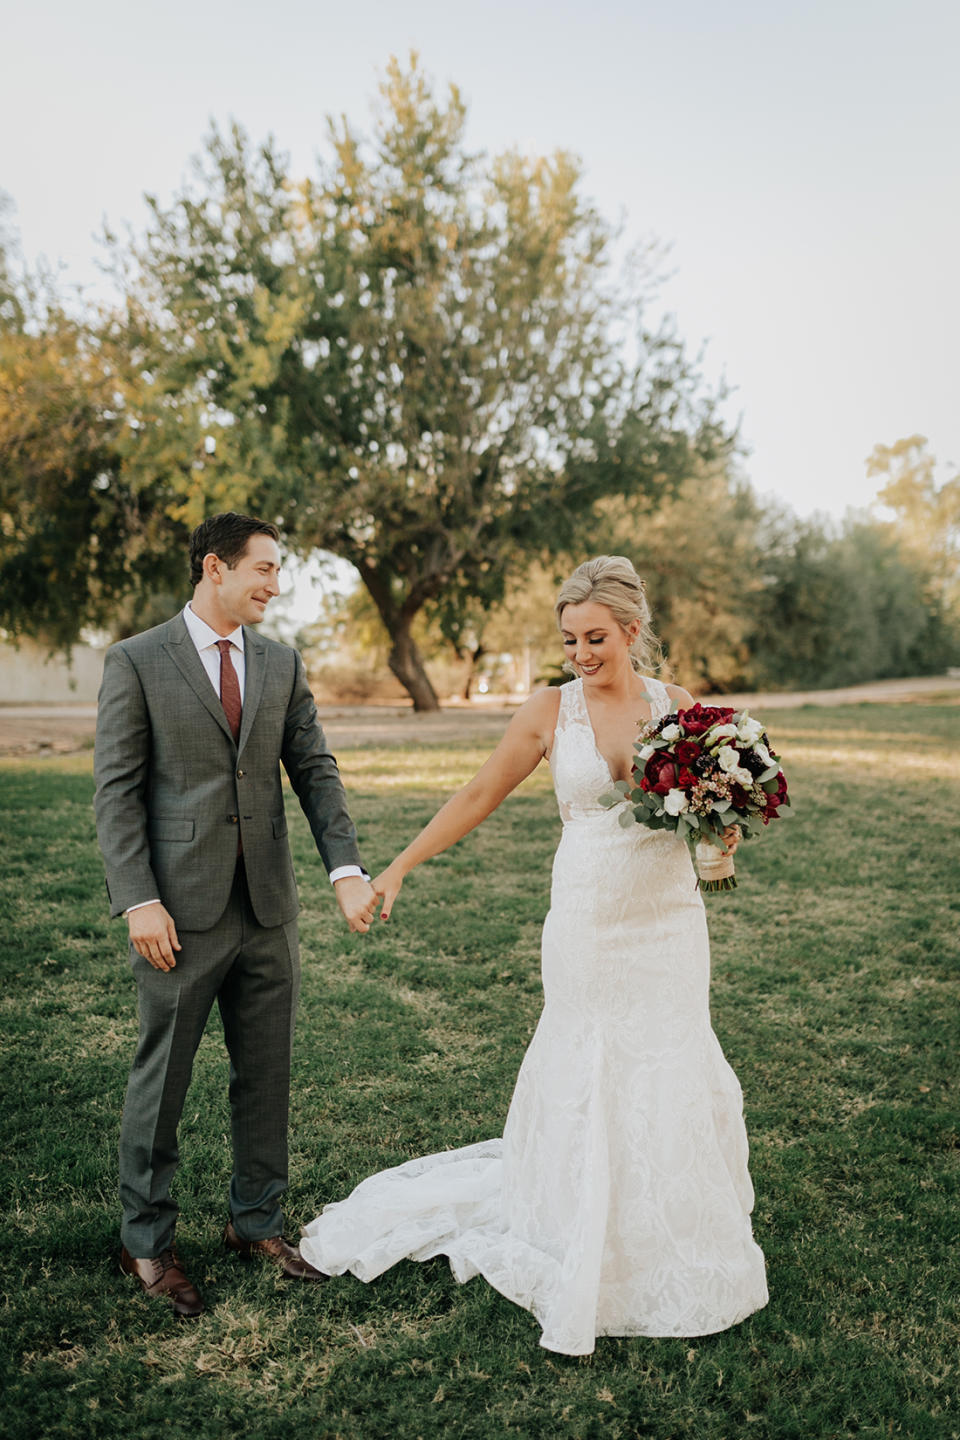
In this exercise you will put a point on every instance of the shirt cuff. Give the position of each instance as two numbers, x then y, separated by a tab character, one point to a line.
140	905
342	871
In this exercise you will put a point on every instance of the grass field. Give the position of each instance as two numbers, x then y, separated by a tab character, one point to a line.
836	980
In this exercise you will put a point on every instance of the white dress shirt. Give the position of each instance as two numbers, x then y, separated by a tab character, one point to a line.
206	642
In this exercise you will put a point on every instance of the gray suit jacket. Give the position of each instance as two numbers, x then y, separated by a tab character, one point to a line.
173	789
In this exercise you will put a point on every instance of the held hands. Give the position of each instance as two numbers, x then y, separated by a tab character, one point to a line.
154	935
358	900
731	839
387	885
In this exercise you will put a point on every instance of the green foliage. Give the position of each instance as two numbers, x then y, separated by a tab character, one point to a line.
77	538
926	515
835	988
413	360
12	313
696	548
750	596
839	608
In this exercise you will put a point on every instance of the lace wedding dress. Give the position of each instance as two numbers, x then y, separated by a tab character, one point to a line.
618	1201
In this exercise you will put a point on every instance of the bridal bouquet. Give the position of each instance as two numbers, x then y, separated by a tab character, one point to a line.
698	771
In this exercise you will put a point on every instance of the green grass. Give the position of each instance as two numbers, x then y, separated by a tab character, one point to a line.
836	979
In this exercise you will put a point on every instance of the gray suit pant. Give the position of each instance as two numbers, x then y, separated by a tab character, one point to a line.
254	974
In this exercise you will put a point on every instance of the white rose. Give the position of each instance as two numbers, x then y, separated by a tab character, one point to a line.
741	776
728	758
723	732
670	732
646	751
749	730
763	754
675	802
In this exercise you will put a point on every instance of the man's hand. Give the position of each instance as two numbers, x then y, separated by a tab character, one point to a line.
358	901
154	935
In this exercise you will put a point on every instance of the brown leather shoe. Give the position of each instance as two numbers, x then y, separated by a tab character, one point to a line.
277	1250
163	1275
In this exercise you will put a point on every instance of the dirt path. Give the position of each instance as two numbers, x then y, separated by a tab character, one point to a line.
61	729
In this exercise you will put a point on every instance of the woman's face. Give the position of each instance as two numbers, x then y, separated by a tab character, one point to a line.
595	642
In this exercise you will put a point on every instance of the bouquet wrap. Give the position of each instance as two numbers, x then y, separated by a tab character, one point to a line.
715	869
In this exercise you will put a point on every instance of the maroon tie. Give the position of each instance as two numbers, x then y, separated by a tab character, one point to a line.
230	689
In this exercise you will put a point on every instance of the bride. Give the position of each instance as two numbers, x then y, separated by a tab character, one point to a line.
618	1201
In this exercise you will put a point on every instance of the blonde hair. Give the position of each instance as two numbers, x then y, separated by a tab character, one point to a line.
612	581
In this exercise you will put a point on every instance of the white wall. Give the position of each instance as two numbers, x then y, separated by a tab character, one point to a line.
29	675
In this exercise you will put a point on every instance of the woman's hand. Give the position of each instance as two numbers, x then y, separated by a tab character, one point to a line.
731	839
387	885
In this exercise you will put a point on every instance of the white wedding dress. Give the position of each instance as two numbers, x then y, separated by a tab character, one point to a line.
618	1201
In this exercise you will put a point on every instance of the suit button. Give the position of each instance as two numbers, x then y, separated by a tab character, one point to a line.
239	774
234	819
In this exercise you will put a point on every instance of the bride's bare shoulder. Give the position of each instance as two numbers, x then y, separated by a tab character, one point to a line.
540	715
542	707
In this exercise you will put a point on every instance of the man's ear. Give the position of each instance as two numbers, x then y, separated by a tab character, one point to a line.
212	567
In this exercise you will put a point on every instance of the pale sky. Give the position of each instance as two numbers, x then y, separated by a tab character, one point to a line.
801	160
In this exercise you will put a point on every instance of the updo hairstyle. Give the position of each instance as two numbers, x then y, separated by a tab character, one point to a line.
612	581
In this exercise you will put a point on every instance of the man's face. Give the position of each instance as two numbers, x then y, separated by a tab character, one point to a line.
243	593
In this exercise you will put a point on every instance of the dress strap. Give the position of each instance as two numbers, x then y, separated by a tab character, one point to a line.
571	699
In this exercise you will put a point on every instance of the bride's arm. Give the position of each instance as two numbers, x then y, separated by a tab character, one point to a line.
525	742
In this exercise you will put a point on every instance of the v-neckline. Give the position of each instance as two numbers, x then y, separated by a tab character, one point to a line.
593	734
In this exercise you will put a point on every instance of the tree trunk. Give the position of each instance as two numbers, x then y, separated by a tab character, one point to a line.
404	659
405	662
474	657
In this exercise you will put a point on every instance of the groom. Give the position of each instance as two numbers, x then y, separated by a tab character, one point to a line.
195	718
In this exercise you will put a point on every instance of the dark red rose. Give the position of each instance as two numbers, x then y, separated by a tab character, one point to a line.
660	772
644	783
700	718
739	797
775	800
686	778
687	751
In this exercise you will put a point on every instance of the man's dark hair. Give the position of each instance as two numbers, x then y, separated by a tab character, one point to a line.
225	536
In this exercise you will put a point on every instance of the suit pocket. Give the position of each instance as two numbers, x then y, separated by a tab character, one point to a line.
279	823
167	828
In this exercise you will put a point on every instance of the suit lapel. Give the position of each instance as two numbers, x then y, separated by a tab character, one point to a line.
183	653
255	668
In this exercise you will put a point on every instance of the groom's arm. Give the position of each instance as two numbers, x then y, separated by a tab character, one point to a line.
121	757
315	778
316	781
